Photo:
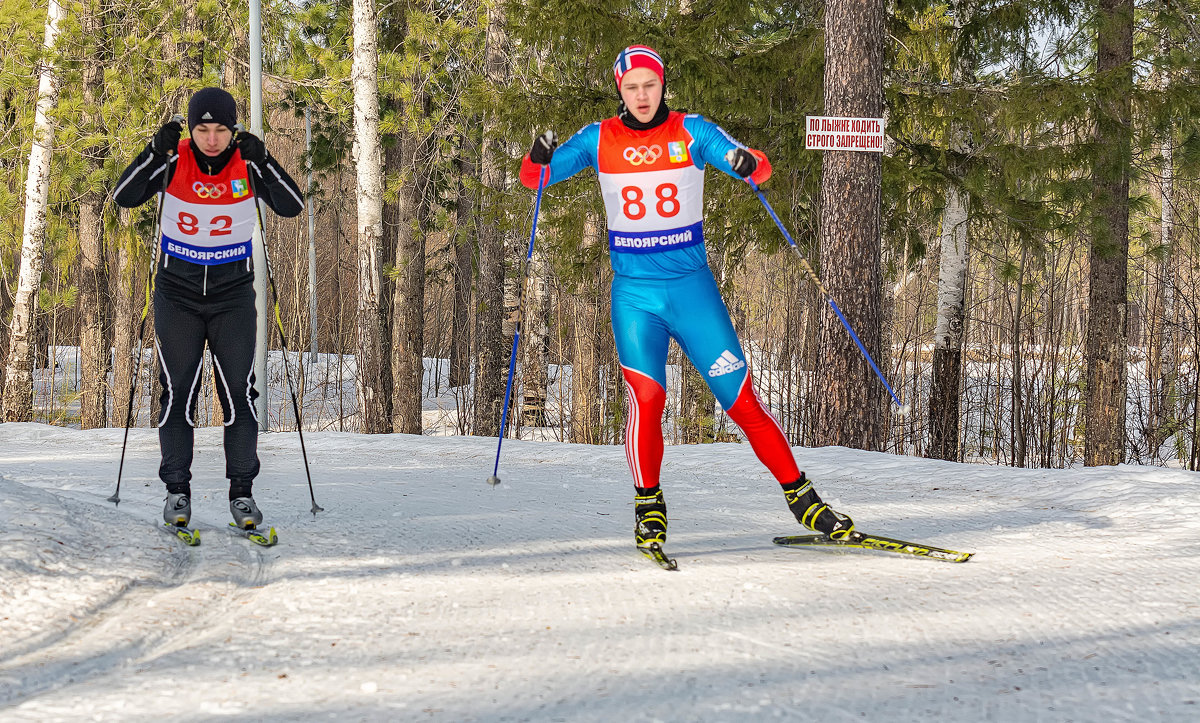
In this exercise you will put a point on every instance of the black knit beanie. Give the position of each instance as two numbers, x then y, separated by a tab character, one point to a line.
212	105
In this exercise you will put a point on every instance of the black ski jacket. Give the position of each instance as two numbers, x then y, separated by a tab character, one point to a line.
143	179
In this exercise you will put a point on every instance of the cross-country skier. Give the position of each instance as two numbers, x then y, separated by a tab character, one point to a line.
650	162
204	284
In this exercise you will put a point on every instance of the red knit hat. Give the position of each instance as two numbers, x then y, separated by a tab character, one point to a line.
638	56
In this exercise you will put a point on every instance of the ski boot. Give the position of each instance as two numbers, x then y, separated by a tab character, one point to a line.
246	515
650	512
650	528
178	509
814	514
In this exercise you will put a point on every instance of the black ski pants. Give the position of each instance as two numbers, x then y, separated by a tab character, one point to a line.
183	321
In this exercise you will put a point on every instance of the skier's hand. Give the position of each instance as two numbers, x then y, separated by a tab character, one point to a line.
253	150
166	141
543	148
742	161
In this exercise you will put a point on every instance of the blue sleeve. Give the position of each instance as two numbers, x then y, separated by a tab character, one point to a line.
579	152
710	143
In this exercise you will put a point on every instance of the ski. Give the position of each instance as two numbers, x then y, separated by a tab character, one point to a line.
655	552
189	535
265	537
862	541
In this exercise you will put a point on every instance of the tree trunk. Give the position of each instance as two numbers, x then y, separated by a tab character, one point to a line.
536	332
587	352
408	307
464	247
368	158
123	285
945	390
1108	322
491	352
1161	361
850	410
18	393
94	342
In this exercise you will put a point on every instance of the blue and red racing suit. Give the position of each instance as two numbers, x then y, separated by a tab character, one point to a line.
653	186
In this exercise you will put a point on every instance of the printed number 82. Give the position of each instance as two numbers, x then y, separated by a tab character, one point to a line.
190	225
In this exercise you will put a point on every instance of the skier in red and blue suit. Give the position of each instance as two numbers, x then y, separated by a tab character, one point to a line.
650	162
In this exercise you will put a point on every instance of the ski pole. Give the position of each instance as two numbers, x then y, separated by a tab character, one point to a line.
137	368
904	408
287	375
512	360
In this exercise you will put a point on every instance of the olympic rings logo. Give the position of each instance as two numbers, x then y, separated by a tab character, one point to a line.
209	190
642	154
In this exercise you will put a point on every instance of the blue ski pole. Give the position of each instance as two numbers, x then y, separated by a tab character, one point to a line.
904	408
512	360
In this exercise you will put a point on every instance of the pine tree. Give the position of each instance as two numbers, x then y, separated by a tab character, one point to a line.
1108	257
849	406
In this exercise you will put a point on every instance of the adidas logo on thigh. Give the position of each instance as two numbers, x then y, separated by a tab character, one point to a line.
725	364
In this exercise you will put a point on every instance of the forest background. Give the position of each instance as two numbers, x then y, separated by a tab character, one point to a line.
1022	261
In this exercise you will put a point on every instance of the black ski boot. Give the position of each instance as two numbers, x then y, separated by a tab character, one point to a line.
814	514
650	513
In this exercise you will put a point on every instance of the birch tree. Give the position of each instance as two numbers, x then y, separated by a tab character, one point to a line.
368	159
945	387
18	393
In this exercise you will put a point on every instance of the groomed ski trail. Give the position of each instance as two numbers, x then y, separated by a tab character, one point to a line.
424	594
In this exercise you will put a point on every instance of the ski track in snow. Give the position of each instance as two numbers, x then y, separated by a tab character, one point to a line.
421	593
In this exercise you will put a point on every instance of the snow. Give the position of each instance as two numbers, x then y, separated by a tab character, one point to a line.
422	593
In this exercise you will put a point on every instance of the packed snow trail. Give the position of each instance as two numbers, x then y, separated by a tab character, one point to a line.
422	593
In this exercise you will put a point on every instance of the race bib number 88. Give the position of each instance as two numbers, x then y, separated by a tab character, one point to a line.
666	206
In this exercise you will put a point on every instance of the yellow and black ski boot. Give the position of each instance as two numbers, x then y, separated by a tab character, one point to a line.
814	514
650	527
650	513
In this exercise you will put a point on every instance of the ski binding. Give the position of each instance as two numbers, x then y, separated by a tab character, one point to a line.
266	538
189	535
863	541
655	552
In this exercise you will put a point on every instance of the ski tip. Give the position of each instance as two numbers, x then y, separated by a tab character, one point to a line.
493	480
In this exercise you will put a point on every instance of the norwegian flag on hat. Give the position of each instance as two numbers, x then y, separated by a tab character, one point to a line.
637	56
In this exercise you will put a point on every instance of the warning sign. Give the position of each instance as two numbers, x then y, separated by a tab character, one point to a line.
831	133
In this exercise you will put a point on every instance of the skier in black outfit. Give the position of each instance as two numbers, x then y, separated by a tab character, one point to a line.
203	285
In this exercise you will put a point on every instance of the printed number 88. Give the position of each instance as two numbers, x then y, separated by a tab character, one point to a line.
667	206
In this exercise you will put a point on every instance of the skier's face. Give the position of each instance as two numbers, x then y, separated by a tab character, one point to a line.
211	138
642	92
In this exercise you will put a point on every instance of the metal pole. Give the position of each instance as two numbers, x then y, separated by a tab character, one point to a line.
312	248
259	253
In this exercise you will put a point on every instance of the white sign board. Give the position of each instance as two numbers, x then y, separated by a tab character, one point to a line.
832	133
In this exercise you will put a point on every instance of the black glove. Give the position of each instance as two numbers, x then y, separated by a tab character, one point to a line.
253	150
742	161
166	141
543	148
